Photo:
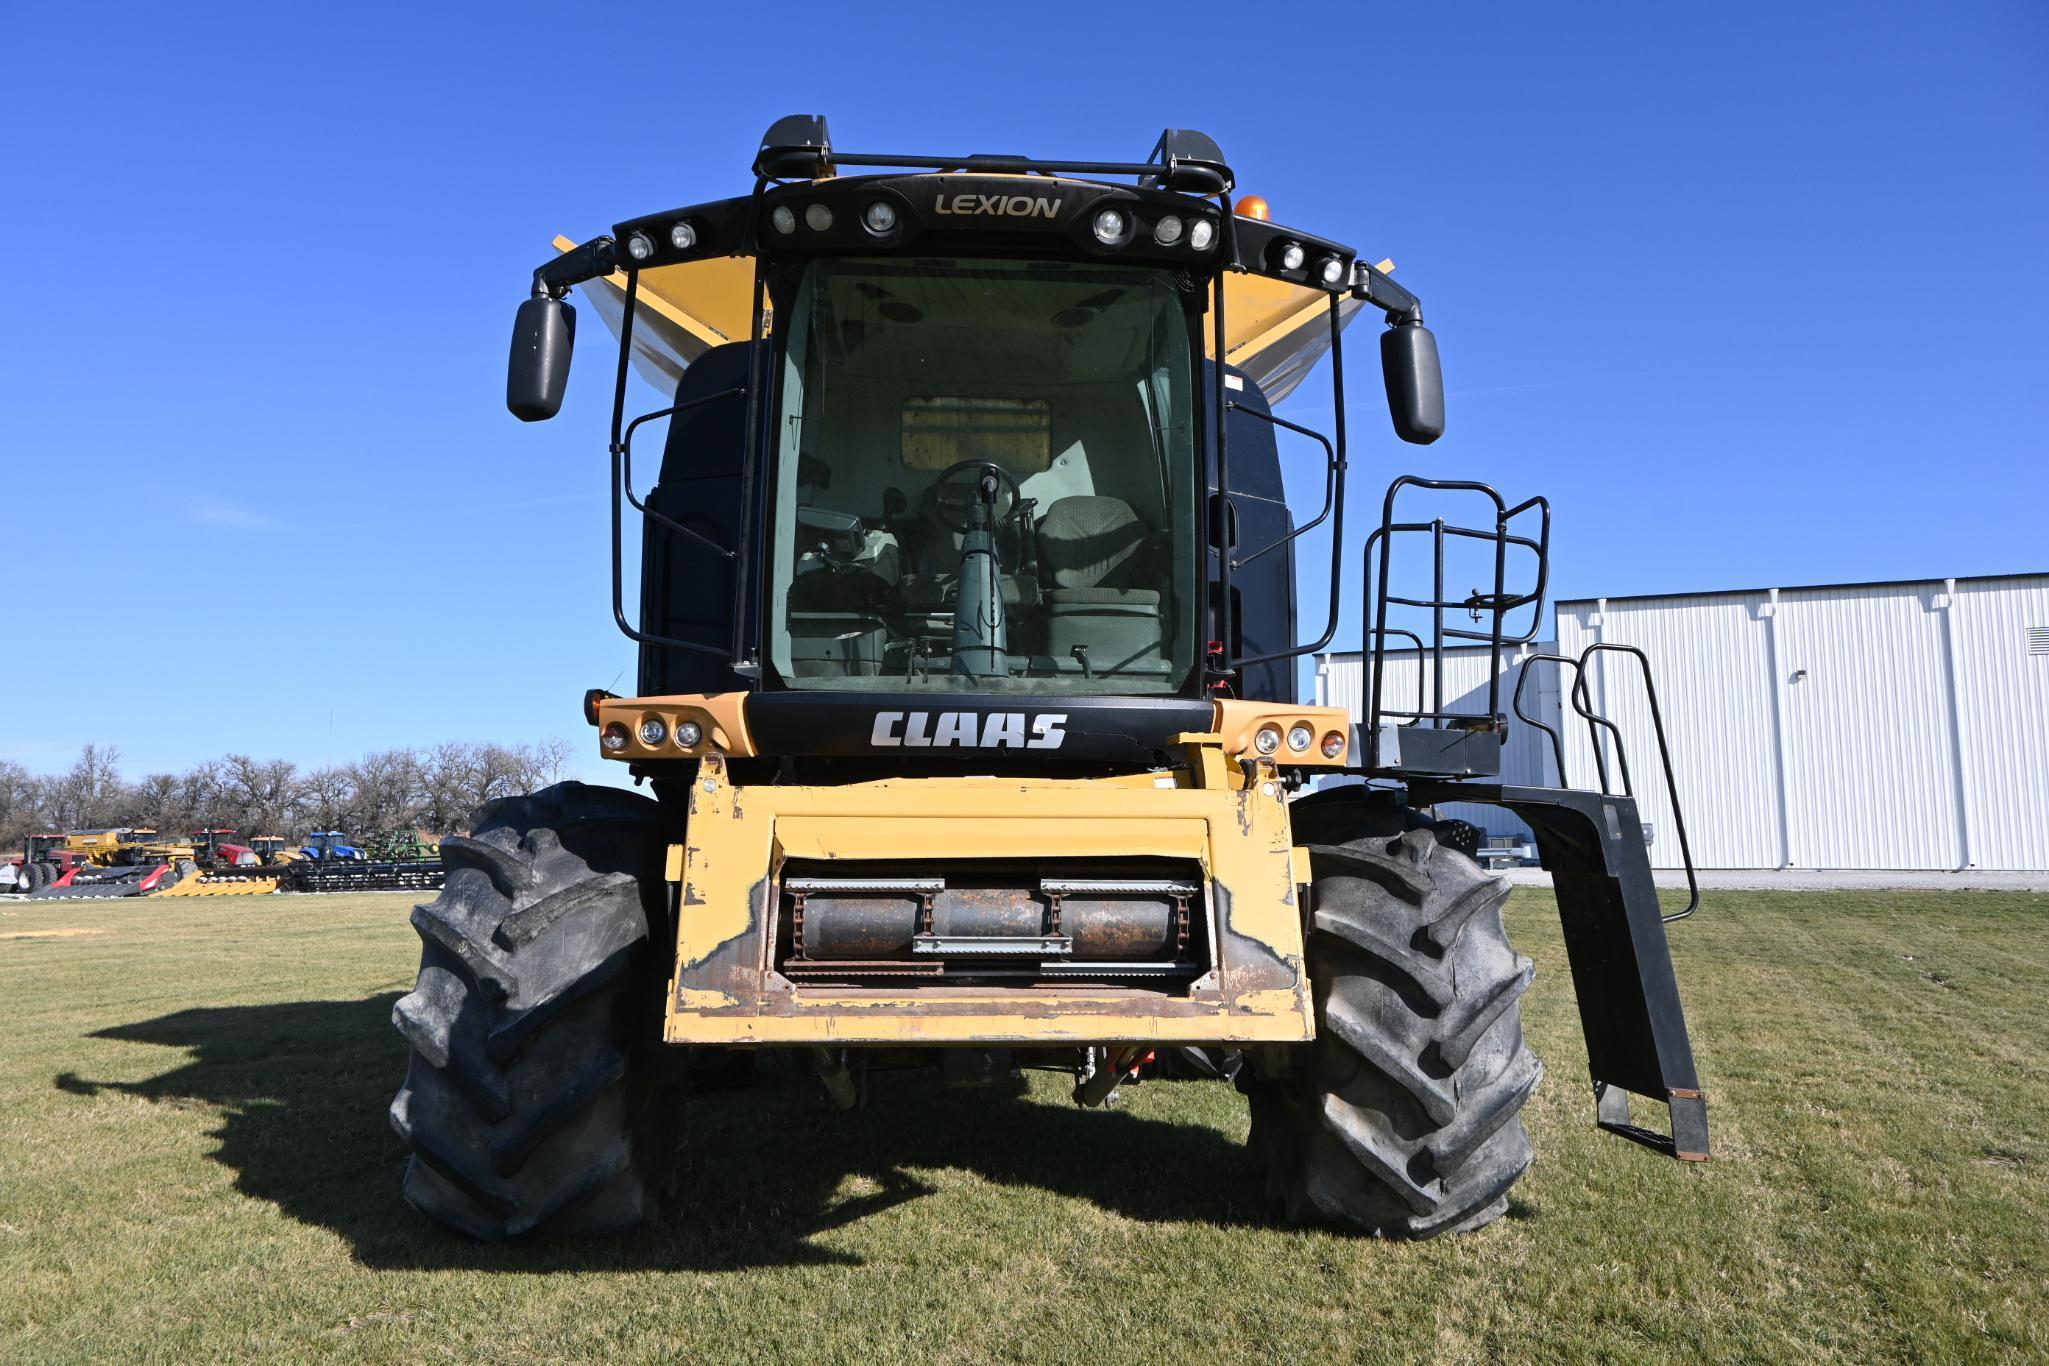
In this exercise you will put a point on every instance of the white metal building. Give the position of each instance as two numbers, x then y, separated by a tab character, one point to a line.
1883	725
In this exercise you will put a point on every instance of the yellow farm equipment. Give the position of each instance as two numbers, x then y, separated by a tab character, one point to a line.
969	708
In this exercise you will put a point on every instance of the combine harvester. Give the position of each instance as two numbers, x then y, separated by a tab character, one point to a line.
968	702
225	869
118	862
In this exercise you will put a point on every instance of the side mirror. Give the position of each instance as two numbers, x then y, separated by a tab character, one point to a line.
542	336
1415	382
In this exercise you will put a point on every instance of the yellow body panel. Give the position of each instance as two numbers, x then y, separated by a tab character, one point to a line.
725	990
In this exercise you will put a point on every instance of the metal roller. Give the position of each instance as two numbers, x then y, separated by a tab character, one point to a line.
866	919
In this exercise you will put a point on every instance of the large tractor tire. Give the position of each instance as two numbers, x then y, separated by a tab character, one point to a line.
40	875
1403	1118
533	1103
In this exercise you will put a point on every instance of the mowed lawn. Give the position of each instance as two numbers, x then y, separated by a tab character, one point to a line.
195	1163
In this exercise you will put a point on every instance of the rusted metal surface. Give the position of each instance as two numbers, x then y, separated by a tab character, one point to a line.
1213	974
885	923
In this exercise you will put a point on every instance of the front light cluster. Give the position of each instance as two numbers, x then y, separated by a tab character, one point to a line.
879	217
682	236
1332	272
1169	229
654	731
1300	739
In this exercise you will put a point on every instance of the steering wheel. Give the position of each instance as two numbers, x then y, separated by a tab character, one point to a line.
943	503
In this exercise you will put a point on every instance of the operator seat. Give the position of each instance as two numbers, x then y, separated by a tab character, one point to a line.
1095	552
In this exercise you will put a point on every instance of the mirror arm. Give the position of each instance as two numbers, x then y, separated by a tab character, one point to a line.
595	258
1379	289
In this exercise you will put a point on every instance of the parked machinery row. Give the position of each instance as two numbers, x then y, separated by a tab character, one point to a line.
129	861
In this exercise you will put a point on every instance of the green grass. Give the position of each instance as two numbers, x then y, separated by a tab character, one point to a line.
194	1162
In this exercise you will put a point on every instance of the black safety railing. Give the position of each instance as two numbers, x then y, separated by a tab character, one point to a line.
1496	607
735	647
1333	488
1599	725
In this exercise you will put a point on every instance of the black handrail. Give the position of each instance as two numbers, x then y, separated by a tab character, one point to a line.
1650	689
622	491
626	456
1515	704
1582	703
1330	477
1499	603
1334	496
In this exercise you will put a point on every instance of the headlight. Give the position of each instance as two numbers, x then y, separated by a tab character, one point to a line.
880	218
1300	738
782	219
653	732
1109	227
1201	233
682	236
1333	272
640	246
1292	256
1167	231
614	737
1333	746
689	734
1268	740
817	217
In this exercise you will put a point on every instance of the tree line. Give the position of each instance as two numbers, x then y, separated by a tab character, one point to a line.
434	789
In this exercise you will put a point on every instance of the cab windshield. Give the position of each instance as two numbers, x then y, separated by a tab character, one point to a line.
986	479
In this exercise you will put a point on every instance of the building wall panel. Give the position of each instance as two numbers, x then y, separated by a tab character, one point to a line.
1869	769
2003	719
1884	726
1710	656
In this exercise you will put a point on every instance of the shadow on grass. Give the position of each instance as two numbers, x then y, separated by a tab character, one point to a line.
303	1087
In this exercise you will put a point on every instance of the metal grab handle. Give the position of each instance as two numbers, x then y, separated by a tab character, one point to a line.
1515	704
625	454
1582	703
621	492
1331	479
1334	501
1650	689
1418	714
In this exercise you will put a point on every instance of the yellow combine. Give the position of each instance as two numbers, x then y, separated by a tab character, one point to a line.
968	707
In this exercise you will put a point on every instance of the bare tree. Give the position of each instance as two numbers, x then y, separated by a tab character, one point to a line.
258	793
327	799
394	789
24	802
89	796
389	789
542	763
160	802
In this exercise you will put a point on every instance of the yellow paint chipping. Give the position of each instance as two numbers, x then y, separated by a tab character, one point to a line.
726	992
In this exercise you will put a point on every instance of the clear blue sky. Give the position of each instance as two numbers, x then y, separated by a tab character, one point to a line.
1757	293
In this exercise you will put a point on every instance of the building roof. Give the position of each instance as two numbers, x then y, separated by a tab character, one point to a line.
1612	598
